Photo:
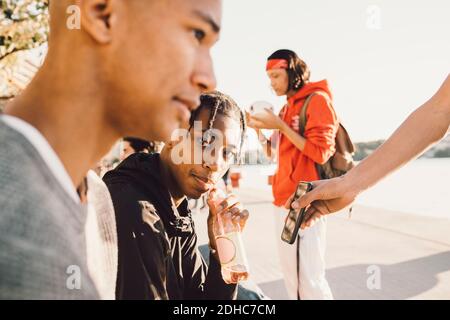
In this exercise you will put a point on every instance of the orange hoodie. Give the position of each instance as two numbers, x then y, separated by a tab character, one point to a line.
320	132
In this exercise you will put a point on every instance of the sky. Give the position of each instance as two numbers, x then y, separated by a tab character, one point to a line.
382	58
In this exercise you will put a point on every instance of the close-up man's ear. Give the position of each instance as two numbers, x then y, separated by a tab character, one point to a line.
96	18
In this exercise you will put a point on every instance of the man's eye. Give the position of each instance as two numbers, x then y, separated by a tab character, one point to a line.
199	34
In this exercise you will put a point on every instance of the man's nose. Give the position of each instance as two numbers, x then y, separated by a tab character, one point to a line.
213	161
204	78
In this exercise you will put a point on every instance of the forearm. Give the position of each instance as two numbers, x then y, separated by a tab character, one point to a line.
297	140
267	146
422	128
202	275
215	287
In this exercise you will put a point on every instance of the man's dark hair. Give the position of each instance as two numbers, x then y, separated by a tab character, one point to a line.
220	103
137	144
298	71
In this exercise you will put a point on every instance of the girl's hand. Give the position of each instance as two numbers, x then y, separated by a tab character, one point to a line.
266	120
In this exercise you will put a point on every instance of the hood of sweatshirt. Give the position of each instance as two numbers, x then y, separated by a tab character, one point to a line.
309	88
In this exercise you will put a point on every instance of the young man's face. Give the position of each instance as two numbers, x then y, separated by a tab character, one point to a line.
159	63
279	81
196	179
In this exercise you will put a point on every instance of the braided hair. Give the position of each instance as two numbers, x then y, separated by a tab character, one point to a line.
220	103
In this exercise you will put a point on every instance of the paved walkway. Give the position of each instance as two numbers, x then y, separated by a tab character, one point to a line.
411	253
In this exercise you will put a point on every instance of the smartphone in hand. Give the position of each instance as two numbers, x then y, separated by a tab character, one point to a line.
294	219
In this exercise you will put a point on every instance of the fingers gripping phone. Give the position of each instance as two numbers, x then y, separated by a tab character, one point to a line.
294	219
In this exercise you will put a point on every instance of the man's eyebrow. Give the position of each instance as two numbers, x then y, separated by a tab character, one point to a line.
208	19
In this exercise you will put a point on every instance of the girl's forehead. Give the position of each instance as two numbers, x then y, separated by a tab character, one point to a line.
220	120
274	72
228	126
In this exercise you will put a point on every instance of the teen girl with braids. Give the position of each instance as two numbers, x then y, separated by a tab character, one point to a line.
158	253
303	262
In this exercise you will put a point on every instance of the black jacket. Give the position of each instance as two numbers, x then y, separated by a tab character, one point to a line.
158	252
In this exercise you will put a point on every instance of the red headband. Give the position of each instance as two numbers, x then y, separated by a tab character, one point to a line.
276	64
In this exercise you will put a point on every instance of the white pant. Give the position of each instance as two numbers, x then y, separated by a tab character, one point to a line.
313	285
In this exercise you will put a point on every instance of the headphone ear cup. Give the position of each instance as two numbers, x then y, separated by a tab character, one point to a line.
302	73
298	82
298	74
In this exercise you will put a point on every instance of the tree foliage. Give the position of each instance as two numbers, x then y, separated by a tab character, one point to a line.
24	25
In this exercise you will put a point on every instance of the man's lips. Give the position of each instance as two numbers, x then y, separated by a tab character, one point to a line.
205	182
190	104
186	106
183	110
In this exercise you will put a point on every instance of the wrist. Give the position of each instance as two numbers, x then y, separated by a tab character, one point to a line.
212	248
282	126
353	183
213	251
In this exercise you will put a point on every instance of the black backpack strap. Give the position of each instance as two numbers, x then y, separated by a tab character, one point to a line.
298	268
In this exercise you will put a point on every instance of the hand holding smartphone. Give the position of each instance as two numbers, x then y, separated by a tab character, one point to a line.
294	219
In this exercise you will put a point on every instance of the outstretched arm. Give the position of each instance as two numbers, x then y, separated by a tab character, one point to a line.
424	127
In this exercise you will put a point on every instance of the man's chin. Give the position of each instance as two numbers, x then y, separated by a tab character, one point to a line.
196	194
166	133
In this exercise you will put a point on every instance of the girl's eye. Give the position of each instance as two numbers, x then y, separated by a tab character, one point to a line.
199	34
229	155
208	146
199	141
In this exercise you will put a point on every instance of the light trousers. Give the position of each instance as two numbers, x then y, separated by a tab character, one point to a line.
311	283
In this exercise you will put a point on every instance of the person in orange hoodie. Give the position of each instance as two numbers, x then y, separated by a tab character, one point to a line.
302	263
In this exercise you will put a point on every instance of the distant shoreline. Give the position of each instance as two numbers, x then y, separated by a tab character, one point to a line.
440	150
